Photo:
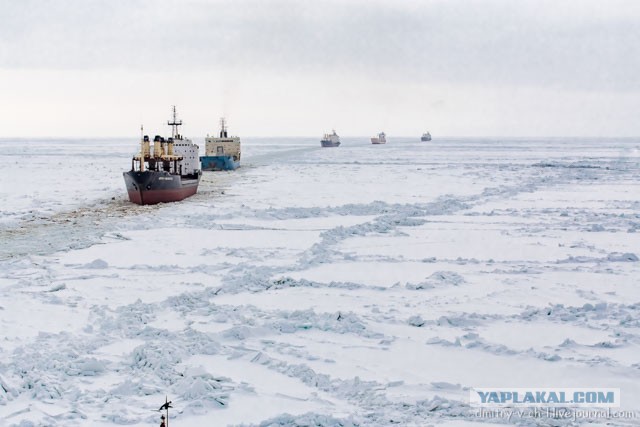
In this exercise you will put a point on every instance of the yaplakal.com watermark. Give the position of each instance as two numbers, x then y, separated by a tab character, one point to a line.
545	397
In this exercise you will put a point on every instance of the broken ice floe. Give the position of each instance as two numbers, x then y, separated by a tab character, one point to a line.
96	264
439	278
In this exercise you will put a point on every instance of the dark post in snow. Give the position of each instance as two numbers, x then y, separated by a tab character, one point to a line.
165	406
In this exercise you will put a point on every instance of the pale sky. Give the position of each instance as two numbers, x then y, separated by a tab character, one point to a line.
100	68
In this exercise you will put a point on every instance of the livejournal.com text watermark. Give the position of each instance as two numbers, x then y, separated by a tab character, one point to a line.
569	414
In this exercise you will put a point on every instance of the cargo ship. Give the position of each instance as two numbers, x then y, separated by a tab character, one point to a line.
330	140
222	152
425	137
380	139
169	173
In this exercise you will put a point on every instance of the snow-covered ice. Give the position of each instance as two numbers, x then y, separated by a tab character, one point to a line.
361	285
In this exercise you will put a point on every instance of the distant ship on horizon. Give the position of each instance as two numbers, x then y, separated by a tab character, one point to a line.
330	140
222	152
425	137
380	139
169	173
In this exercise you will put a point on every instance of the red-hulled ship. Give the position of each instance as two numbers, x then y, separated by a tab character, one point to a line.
169	173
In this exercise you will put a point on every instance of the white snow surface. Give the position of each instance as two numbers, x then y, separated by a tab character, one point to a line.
352	286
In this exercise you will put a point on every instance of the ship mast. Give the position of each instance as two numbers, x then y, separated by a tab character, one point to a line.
141	148
223	128
174	123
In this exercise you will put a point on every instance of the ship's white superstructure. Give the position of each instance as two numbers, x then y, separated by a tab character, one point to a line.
189	153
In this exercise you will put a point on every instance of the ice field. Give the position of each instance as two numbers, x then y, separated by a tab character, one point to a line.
360	285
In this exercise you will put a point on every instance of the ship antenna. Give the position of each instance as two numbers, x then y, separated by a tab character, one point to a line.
174	124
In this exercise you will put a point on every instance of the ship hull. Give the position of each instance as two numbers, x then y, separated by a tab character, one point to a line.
425	138
329	143
218	163
151	187
378	141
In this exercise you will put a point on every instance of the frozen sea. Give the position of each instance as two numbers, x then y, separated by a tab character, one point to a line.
360	285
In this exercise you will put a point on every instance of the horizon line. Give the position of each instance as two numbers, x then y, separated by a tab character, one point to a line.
4	138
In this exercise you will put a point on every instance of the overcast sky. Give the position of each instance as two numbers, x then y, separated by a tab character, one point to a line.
468	68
